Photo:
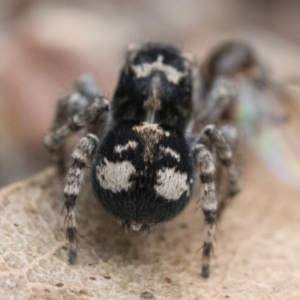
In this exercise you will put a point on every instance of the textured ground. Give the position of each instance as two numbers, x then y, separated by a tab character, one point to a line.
256	256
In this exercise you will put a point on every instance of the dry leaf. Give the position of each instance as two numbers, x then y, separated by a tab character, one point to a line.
256	254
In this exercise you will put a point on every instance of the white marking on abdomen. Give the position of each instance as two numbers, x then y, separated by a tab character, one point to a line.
130	145
115	176
170	184
168	150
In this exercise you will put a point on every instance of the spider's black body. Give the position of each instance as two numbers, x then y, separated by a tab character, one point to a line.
143	167
151	109
155	84
155	182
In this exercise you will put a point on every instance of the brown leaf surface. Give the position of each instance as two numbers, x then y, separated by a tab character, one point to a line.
256	255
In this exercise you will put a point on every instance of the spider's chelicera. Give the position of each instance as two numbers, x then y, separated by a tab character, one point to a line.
168	120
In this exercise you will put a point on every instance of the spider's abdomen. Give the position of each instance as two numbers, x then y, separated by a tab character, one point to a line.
143	173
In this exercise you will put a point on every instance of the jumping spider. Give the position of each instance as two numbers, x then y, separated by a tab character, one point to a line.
145	155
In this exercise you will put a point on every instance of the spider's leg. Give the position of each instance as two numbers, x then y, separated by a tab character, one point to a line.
224	154
205	163
231	135
71	117
219	101
221	73
68	119
86	85
55	139
84	149
236	60
95	113
224	196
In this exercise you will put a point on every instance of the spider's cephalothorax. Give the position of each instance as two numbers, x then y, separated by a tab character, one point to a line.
144	165
155	85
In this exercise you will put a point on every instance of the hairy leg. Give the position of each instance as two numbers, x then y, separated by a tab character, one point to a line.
74	180
224	153
95	114
218	101
204	161
224	196
70	114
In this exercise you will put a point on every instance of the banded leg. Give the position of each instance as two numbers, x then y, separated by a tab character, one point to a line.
209	203
74	180
95	113
224	154
224	198
70	113
86	118
87	86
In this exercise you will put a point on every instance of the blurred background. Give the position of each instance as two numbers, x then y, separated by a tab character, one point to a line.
46	45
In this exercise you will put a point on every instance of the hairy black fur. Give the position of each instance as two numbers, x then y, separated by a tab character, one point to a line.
141	204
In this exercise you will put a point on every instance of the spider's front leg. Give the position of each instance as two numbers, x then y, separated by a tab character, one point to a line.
85	148
224	153
209	200
70	114
209	203
96	114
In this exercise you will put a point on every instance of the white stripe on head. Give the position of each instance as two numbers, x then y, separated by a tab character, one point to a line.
145	69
